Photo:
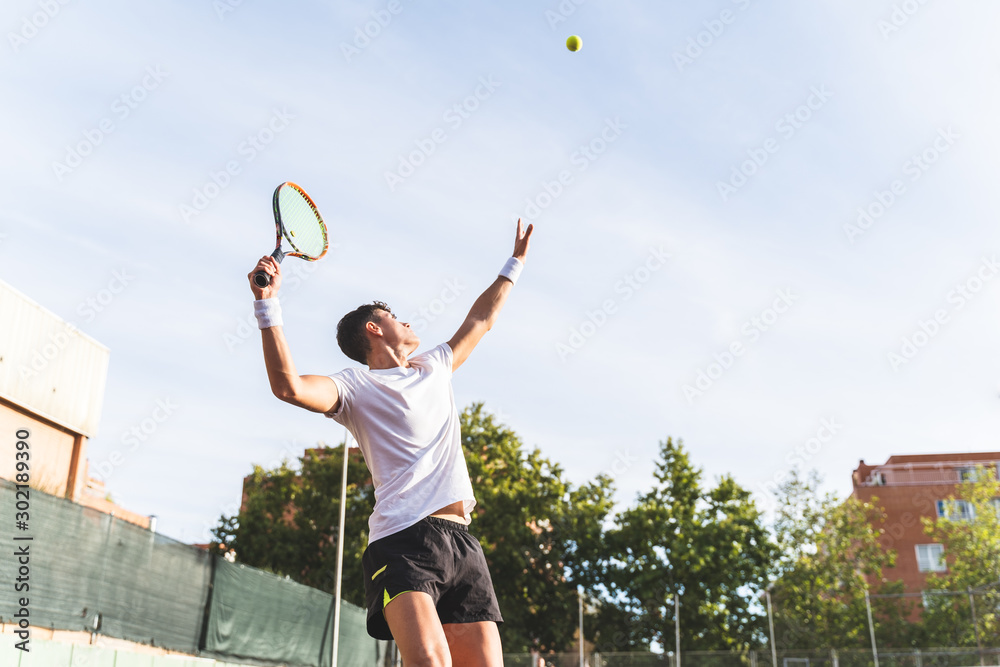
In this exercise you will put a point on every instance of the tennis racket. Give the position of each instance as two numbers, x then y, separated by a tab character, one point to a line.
297	219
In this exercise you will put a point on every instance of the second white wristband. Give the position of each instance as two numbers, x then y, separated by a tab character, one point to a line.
512	269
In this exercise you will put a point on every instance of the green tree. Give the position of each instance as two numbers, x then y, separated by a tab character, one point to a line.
708	545
830	553
290	520
971	541
541	536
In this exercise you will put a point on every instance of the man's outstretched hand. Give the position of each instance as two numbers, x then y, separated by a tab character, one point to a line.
521	241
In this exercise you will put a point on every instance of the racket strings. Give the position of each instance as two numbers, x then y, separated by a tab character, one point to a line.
305	230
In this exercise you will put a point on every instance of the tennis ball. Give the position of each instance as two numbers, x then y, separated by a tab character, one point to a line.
573	43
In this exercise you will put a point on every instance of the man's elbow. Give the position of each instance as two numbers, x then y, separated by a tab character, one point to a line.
484	323
285	392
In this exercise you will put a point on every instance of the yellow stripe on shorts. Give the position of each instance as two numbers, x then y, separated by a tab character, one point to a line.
379	572
386	599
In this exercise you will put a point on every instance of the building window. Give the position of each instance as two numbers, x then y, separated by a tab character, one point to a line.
956	510
930	558
969	474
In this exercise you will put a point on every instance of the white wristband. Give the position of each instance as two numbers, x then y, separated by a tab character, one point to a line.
268	312
512	269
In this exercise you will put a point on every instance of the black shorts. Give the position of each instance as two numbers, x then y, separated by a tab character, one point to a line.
434	556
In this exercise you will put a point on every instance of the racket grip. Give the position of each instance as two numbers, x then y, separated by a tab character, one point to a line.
261	279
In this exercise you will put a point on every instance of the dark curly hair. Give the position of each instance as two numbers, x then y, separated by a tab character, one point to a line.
351	330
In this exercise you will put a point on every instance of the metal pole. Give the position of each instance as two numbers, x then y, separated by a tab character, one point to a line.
975	624
677	629
96	624
579	594
340	560
770	624
871	627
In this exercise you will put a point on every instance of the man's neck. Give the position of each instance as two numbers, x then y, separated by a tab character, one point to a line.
389	359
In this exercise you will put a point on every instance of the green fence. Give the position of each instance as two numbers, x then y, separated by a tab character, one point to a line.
89	571
939	657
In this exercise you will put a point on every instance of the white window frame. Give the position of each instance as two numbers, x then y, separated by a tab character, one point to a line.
956	510
928	549
968	473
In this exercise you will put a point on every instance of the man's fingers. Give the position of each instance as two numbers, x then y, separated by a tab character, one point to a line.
268	264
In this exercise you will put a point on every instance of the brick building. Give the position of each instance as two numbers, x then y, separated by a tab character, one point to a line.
910	488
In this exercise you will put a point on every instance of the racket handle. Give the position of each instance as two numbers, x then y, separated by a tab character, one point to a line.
261	279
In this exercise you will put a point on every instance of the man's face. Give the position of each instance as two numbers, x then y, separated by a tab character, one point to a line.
396	333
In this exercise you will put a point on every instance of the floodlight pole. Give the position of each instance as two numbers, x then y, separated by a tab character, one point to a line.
770	625
975	625
340	560
677	630
579	593
871	626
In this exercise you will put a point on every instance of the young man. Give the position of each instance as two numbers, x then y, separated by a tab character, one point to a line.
426	581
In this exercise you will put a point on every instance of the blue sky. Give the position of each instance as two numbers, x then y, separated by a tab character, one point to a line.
142	144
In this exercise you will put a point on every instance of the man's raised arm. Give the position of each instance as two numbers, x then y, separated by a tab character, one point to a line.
317	393
487	307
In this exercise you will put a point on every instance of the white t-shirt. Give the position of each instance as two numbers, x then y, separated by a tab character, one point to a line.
406	423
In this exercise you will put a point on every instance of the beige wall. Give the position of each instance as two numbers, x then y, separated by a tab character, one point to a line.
51	452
